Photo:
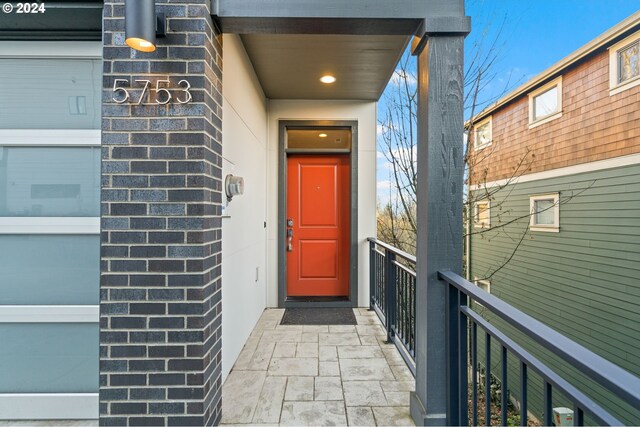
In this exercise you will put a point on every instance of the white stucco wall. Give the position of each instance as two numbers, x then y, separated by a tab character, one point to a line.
250	150
243	234
365	114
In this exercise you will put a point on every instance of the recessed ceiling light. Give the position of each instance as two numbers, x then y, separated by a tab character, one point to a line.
323	135
328	79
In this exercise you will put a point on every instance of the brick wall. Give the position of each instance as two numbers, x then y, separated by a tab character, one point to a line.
160	309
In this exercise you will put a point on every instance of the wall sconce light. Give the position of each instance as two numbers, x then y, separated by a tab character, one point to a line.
143	25
234	186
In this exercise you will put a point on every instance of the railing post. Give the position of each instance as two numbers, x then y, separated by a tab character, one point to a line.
463	359
390	293
453	352
372	274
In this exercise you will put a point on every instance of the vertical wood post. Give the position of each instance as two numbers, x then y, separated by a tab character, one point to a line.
439	213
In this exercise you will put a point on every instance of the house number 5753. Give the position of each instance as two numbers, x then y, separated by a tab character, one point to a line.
163	93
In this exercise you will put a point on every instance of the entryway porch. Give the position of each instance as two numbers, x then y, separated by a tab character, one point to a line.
318	375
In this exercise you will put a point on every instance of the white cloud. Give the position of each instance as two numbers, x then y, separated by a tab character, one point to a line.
401	155
384	185
399	77
384	192
381	128
406	154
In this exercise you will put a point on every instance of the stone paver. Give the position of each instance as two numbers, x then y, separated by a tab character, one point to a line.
318	375
335	338
307	349
401	372
328	353
359	352
290	366
270	401
328	388
392	416
397	398
325	413
365	369
329	369
363	393
242	391
360	416
284	349
299	388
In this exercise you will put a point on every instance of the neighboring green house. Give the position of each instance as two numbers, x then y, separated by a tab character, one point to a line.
559	236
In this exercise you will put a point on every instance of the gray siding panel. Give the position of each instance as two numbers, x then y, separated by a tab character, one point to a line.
583	281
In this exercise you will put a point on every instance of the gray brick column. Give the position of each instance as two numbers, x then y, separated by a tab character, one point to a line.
160	304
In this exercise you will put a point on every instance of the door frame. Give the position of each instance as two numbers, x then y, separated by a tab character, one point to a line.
283	125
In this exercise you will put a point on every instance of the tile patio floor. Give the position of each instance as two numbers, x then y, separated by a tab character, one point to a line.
318	375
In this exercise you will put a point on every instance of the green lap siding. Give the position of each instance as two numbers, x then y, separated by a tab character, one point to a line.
583	281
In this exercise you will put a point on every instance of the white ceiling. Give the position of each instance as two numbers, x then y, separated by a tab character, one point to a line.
289	66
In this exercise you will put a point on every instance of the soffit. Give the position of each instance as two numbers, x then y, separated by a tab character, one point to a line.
289	66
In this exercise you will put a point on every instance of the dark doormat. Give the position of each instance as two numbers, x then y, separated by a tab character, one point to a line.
318	316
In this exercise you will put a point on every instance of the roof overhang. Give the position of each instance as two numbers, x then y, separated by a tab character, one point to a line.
63	20
292	43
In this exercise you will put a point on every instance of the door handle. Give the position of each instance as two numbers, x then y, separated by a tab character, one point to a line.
289	239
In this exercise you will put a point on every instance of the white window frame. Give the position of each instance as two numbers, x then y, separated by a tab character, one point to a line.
53	49
50	137
476	222
49	313
485	283
533	122
487	287
615	86
551	228
49	406
485	122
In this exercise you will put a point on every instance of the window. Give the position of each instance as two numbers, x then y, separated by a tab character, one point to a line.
51	181
482	214
485	285
323	139
545	212
545	103
50	118
624	64
50	93
483	134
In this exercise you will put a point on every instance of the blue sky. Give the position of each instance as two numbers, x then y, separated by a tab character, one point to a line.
538	33
534	34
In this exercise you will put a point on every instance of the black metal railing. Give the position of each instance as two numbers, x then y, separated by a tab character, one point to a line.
392	286
462	319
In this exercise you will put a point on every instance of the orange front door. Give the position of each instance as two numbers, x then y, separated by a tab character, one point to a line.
318	225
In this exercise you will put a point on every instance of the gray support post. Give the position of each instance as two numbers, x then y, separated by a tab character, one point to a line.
439	215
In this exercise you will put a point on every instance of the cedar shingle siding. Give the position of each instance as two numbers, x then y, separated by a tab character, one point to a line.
594	126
